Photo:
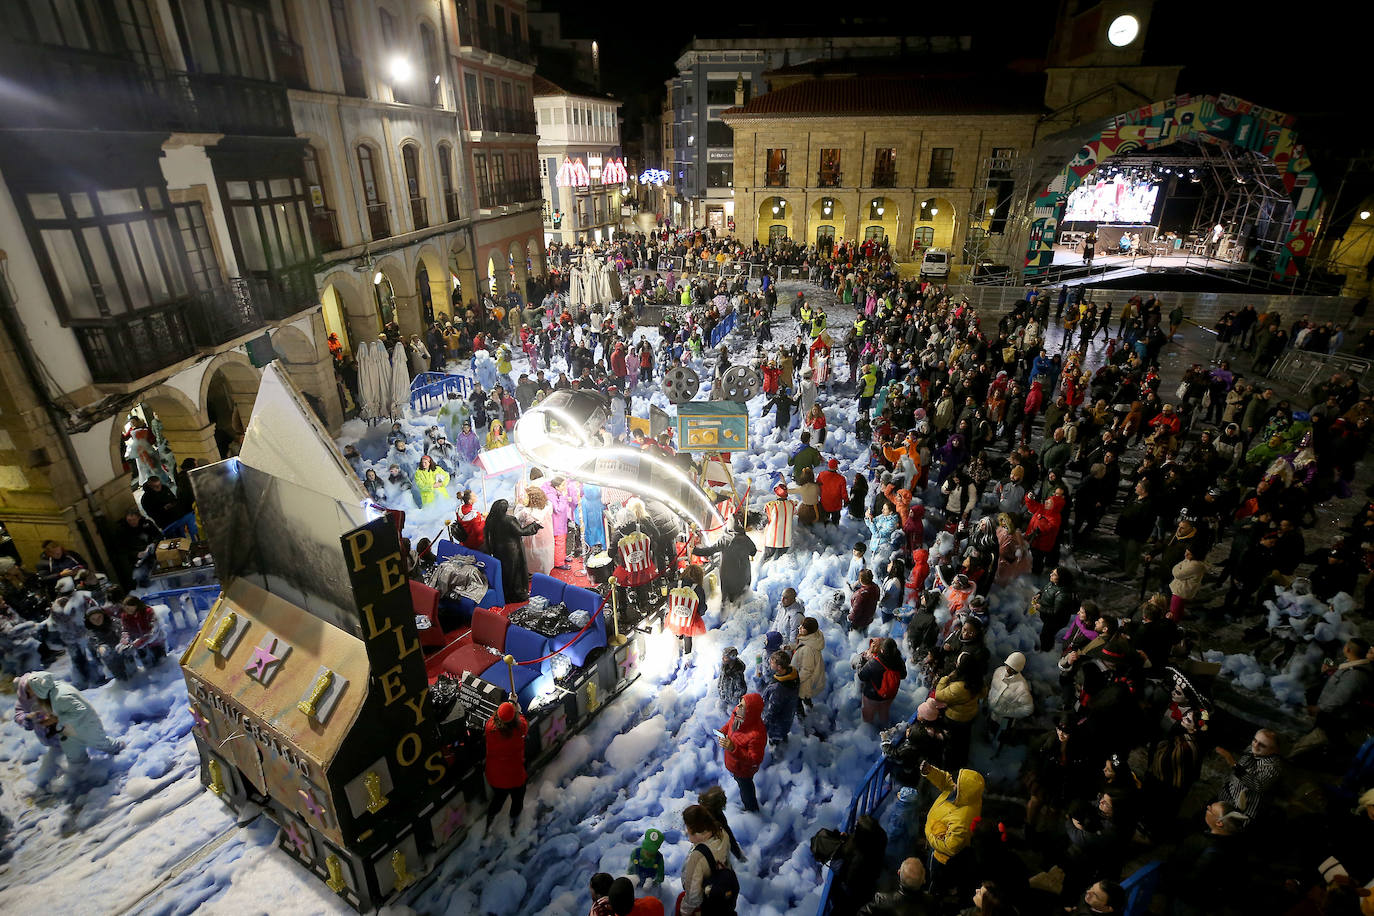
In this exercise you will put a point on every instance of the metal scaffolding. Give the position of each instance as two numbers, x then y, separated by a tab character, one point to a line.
1003	192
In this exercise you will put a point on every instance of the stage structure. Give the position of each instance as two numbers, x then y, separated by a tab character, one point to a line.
1231	129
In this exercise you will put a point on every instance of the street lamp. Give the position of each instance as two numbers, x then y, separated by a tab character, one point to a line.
400	69
1364	214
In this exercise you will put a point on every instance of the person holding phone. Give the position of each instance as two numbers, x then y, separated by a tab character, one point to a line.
744	739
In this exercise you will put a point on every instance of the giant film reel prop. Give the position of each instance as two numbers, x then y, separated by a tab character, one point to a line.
740	383
681	384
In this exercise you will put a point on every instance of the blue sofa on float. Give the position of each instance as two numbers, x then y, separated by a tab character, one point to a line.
492	635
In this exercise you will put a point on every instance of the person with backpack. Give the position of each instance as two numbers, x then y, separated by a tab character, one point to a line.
709	885
881	671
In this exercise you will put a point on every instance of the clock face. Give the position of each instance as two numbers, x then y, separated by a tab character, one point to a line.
1123	30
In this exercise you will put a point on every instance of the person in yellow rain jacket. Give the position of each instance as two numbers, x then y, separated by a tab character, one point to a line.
949	823
430	480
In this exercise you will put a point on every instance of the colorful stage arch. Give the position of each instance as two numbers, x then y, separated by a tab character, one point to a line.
1219	119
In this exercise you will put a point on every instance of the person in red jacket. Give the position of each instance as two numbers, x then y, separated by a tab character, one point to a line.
1043	530
505	766
834	492
744	740
619	368
141	632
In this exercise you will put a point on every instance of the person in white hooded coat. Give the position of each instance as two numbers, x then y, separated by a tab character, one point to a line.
809	661
77	725
1009	696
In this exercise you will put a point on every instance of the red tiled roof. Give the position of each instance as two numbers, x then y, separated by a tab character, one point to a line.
905	94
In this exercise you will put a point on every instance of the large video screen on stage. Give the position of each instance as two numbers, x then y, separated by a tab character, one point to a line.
1113	200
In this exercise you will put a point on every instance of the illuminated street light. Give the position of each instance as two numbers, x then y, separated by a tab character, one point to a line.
400	70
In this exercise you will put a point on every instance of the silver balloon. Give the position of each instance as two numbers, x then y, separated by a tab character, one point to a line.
740	383
681	384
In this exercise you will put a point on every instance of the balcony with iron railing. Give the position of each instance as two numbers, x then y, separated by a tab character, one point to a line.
378	221
509	120
324	223
352	70
128	347
480	35
451	209
775	179
289	60
419	213
279	294
940	180
72	88
828	179
884	178
505	193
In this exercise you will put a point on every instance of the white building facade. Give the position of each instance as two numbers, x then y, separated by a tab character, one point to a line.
581	165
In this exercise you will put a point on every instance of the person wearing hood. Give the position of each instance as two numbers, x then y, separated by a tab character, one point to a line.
949	823
496	435
1009	697
468	445
1043	528
63	720
67	623
431	480
503	536
809	661
397	482
736	551
744	739
781	701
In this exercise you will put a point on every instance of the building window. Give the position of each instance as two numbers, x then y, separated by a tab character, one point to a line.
367	170
498	170
322	220
941	167
720	174
829	175
388	31
924	238
479	172
885	167
719	134
410	158
720	92
775	168
777	235
876	233
433	67
270	218
110	252
474	105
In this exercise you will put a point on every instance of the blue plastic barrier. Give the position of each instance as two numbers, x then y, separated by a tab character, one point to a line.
870	795
1140	888
726	325
429	390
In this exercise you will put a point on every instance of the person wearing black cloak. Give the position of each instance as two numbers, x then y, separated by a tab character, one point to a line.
503	534
736	559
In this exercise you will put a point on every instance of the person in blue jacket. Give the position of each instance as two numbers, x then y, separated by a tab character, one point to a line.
780	697
591	512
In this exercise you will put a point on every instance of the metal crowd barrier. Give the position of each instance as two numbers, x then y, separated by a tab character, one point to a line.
870	795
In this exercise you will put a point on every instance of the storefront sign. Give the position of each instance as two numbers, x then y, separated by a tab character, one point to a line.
720	154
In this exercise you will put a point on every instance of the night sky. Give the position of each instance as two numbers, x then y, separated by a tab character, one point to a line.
1308	59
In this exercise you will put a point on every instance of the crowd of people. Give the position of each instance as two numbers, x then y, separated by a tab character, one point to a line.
1003	458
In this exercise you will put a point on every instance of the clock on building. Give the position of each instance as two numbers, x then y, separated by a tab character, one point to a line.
1123	30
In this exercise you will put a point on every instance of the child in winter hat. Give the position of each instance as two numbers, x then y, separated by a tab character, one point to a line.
730	686
647	862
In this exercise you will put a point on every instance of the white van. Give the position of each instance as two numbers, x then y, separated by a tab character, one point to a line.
935	263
